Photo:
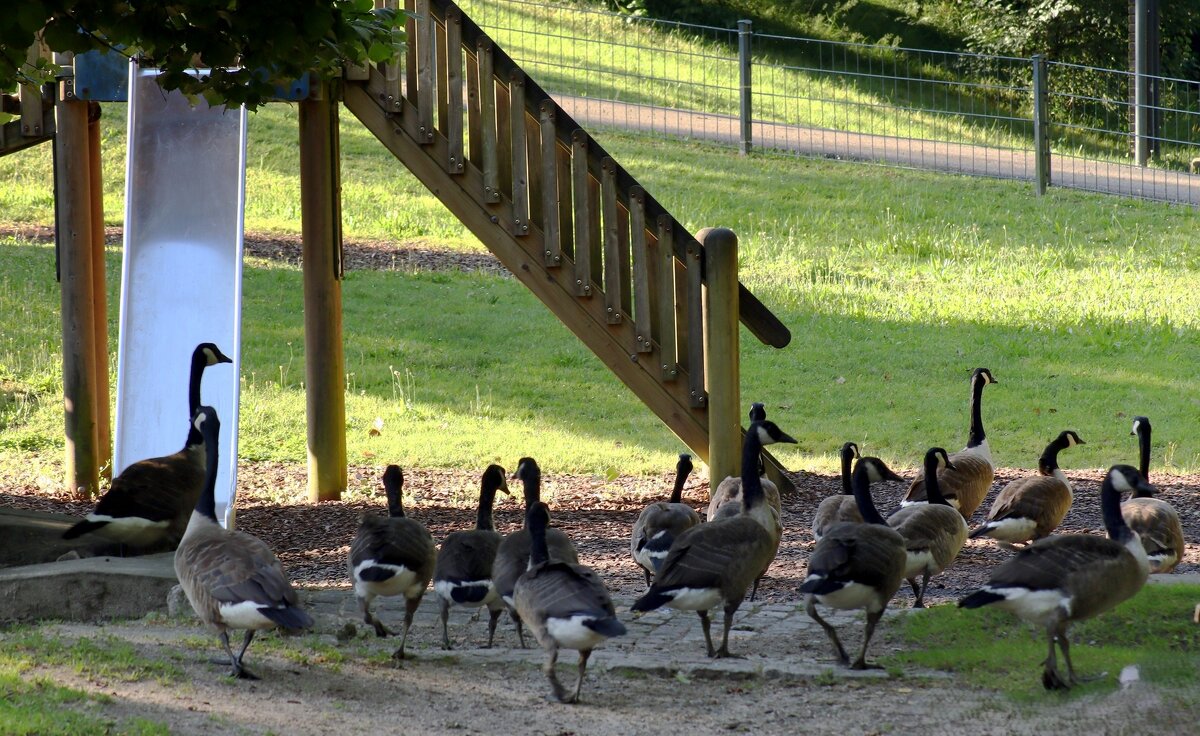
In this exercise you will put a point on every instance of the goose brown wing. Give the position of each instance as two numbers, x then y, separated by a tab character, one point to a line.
705	555
158	489
467	555
393	542
869	554
563	590
236	567
1050	563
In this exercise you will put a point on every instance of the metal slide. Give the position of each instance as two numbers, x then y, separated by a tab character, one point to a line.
181	277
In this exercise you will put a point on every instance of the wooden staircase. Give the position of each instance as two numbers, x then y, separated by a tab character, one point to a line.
557	210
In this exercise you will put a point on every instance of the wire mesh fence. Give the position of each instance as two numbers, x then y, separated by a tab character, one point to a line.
957	112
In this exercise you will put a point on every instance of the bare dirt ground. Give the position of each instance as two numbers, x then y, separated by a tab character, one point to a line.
319	684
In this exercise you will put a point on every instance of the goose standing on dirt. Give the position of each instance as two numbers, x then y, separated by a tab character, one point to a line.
1072	577
717	562
857	565
933	532
967	485
1031	508
661	522
391	555
232	579
836	509
151	500
1154	520
463	574
512	556
565	604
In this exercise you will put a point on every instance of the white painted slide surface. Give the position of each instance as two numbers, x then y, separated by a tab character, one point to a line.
181	276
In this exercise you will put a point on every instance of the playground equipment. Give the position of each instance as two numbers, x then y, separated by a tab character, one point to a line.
658	306
181	275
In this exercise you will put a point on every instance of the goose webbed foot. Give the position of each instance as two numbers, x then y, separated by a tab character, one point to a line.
860	664
724	653
241	673
1051	680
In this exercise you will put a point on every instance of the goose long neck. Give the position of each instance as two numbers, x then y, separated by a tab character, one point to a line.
207	504
681	475
1110	511
1048	462
847	459
538	551
862	495
531	483
752	490
933	487
976	435
1144	451
199	361
487	499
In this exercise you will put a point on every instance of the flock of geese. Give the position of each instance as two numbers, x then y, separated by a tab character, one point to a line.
861	559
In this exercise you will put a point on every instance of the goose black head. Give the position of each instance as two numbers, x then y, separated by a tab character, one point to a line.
768	433
758	412
849	450
684	466
875	470
1127	479
211	354
205	423
537	517
1140	425
1069	438
494	477
983	374
936	458
393	485
530	476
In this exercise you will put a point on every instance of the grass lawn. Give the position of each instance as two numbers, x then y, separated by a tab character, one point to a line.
896	284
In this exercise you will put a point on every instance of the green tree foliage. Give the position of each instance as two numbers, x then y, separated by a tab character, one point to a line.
249	45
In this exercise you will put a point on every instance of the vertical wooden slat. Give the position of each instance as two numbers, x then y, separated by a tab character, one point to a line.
533	153
641	269
583	235
517	153
441	69
474	128
595	239
503	138
487	113
552	253
410	52
565	208
32	110
669	291
454	89
624	273
695	325
425	70
612	254
391	70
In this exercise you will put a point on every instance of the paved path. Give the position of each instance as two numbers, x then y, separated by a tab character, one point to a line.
1004	163
777	641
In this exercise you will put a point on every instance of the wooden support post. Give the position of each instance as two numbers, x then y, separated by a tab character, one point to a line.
99	294
321	230
721	352
74	224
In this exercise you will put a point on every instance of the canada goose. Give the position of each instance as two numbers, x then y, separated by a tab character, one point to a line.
232	579
843	507
728	493
966	486
512	556
857	565
463	574
151	500
660	522
391	555
1030	508
565	604
717	562
1154	520
933	532
1071	577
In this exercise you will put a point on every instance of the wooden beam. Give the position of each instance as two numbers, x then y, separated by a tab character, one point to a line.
99	293
76	261
722	352
321	235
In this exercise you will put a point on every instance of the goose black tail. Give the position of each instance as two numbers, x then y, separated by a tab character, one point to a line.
291	618
653	599
83	527
608	626
979	598
375	574
980	531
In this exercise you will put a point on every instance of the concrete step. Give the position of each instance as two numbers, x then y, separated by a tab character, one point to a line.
91	589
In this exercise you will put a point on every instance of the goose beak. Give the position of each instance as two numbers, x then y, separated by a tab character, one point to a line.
785	437
893	475
950	466
1144	486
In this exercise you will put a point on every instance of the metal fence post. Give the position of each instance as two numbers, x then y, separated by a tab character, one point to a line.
744	34
1041	126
